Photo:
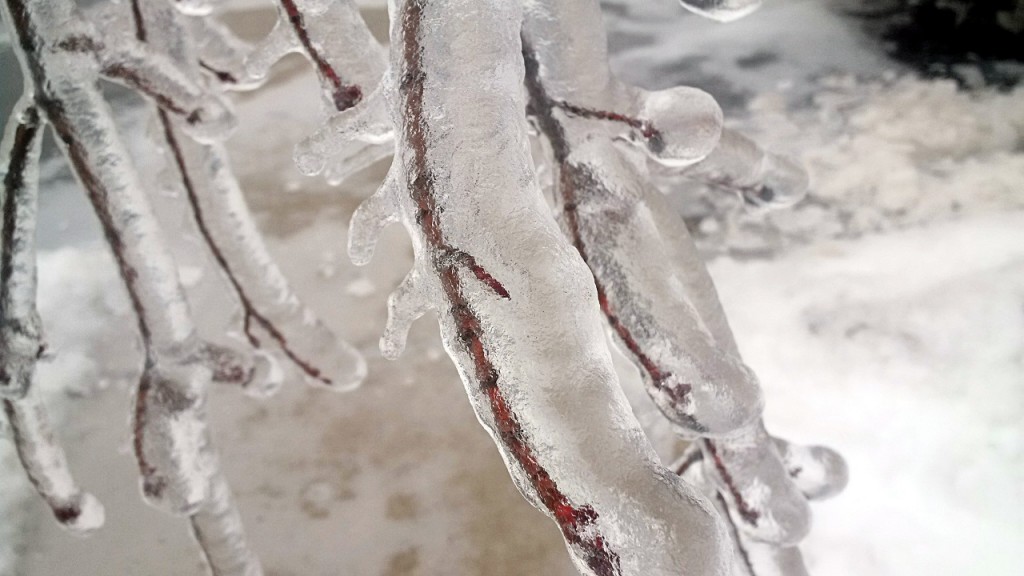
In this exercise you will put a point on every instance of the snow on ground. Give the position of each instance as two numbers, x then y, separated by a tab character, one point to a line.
899	342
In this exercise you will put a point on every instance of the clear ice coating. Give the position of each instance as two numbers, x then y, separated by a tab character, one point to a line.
737	164
62	57
349	63
652	286
522	313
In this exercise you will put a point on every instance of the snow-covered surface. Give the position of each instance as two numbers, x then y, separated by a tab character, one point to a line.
901	345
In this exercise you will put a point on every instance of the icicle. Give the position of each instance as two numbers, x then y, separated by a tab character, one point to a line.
353	159
406	304
370	218
280	42
365	123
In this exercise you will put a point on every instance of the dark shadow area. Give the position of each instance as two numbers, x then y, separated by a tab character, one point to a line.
975	42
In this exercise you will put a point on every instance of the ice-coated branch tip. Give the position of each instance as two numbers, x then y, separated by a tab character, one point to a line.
371	217
47	468
406	304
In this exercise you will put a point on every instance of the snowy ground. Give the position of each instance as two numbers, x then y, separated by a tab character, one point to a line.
885	318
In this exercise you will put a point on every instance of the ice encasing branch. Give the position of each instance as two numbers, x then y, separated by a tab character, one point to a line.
21	343
519	314
653	288
350	64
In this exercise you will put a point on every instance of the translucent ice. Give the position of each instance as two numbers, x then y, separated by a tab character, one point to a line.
20	331
764	178
519	313
272	314
350	64
652	286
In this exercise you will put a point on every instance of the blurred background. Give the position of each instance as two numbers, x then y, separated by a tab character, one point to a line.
884	314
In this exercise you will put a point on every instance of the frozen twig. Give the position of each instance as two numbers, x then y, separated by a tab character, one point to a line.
20	331
47	467
61	62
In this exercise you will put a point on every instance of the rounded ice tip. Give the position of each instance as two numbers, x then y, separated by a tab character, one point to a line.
83	517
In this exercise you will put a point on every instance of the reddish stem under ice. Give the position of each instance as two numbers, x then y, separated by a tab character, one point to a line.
344	95
574	179
575	522
745	510
249	310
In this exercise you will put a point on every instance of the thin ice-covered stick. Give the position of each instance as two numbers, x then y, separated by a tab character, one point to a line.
767	502
347	58
814	468
171	438
46	466
271	310
693	384
217	526
519	313
20	332
220	53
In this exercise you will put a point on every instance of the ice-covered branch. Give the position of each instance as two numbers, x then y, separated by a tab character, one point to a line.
20	331
653	288
519	313
763	178
271	311
47	467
